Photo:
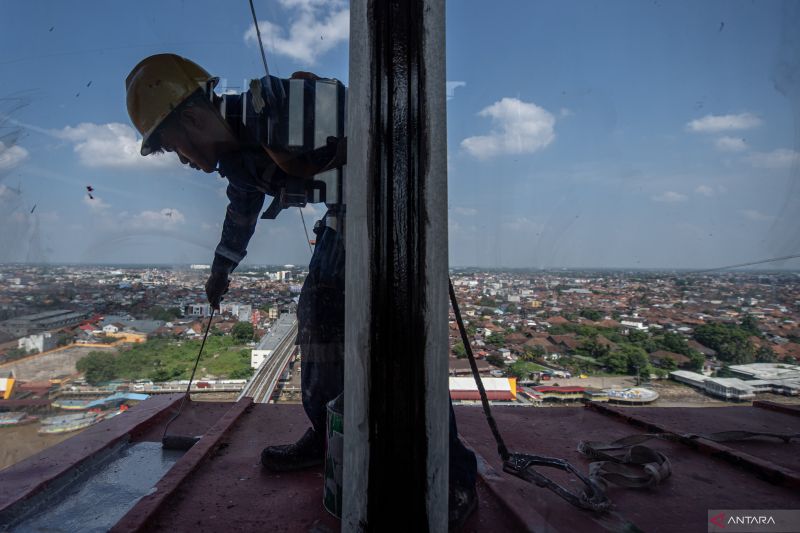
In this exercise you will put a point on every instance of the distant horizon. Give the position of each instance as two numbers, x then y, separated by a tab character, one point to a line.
688	270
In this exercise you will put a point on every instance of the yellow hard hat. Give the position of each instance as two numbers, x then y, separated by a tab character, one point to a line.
158	85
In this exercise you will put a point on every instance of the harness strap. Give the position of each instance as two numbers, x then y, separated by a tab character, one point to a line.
627	463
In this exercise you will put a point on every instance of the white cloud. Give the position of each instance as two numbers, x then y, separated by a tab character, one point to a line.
465	211
96	204
780	158
112	145
163	219
564	112
717	123
705	190
756	216
316	27
451	86
11	156
669	197
519	128
730	144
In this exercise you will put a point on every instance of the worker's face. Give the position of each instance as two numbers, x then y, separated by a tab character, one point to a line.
177	139
195	138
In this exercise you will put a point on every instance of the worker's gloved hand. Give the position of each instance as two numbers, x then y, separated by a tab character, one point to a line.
216	286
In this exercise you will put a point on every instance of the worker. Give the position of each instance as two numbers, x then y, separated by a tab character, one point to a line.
172	104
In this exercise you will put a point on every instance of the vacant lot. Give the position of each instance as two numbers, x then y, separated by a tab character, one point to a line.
49	365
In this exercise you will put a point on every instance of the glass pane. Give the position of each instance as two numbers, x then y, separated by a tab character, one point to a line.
106	252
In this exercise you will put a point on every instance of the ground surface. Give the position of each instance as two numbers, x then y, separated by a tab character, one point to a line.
48	365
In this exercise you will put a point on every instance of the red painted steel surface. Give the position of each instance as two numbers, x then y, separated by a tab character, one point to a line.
26	478
767	457
698	482
228	490
139	518
232	492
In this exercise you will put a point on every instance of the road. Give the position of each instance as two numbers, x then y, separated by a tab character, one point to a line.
262	384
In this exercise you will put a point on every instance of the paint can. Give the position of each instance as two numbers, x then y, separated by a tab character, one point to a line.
334	453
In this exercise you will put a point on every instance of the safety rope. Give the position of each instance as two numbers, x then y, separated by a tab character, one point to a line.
191	378
521	464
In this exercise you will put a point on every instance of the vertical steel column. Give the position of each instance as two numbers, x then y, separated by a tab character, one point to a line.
396	332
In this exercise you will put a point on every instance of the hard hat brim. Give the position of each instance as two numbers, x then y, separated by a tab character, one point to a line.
147	148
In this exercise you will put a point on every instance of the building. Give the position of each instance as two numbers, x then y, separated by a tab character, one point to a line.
631	324
38	342
735	388
285	326
498	389
242	312
197	310
23	325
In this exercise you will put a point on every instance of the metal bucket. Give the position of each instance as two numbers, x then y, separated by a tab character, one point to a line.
334	452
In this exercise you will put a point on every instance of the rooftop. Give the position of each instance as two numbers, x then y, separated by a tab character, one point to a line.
219	484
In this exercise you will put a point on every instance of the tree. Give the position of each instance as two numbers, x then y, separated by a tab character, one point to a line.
98	367
669	364
459	350
16	353
673	342
616	362
242	373
533	353
160	374
765	354
696	360
496	360
592	314
636	357
730	341
496	339
243	332
750	325
592	348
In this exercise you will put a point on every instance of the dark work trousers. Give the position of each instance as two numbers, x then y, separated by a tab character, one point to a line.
320	315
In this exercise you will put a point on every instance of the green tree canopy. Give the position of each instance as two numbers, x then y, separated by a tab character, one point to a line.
730	341
243	332
592	314
459	350
496	339
98	367
750	325
673	342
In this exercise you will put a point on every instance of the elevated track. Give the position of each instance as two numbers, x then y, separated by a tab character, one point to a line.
262	385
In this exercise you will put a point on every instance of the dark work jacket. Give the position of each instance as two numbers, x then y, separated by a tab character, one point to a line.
251	174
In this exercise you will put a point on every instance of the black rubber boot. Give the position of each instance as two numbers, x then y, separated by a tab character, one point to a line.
462	502
307	452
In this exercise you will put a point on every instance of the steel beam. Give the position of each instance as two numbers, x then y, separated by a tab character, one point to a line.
396	291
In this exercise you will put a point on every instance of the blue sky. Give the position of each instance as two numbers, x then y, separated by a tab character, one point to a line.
616	134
